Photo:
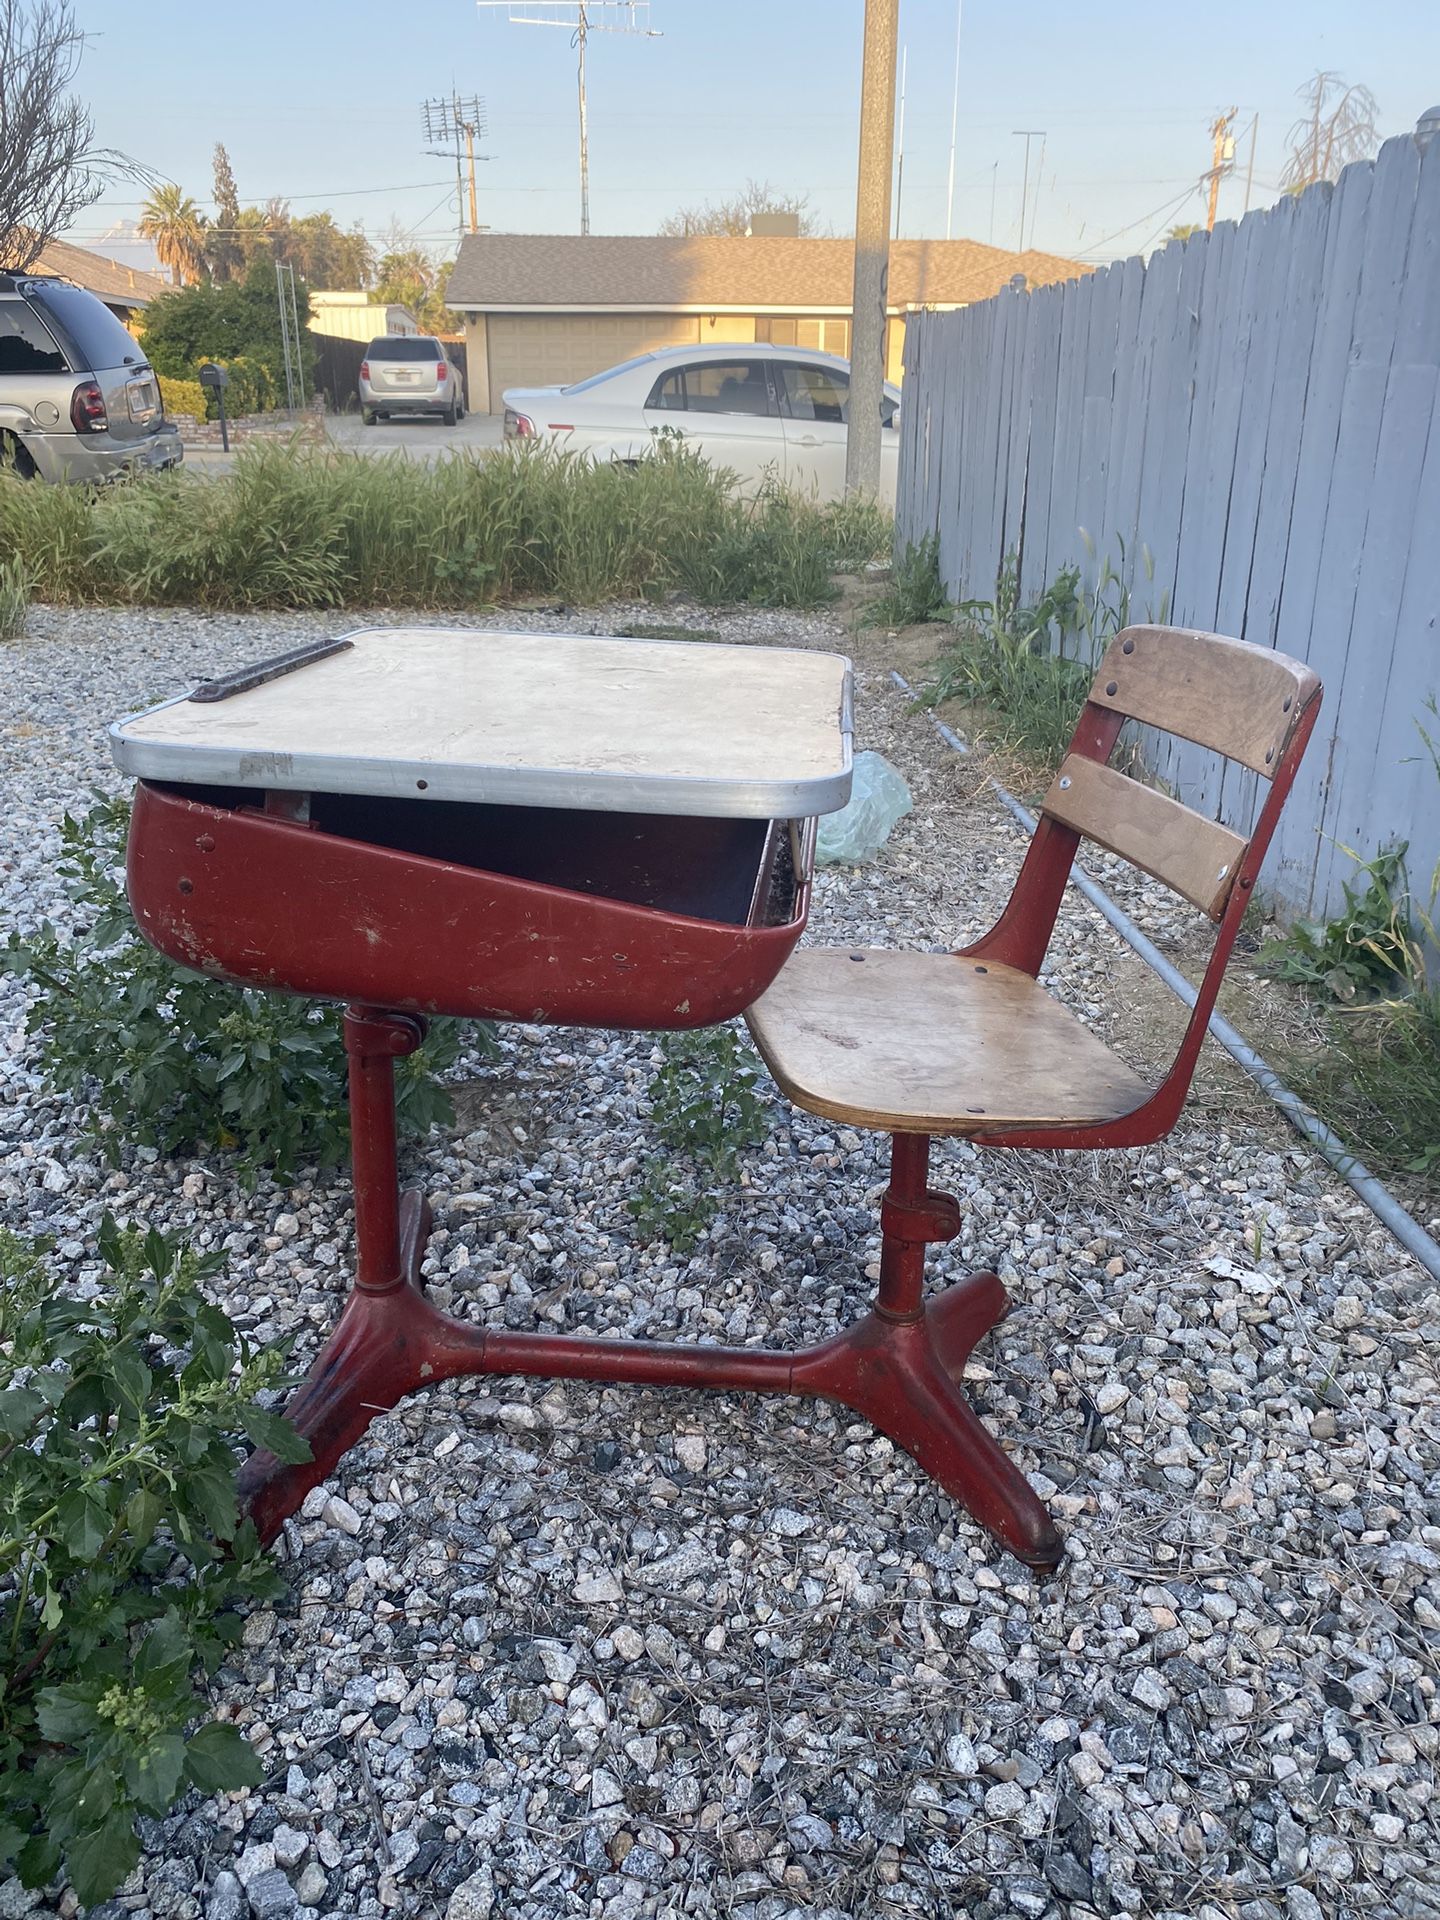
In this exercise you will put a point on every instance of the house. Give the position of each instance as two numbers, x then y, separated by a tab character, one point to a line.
127	291
542	309
355	316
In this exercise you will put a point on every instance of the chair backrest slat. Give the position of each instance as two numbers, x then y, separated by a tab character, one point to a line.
1239	700
1195	856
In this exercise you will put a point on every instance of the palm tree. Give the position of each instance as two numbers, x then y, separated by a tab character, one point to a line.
176	225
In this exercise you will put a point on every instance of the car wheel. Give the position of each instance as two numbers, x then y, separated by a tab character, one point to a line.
367	416
449	416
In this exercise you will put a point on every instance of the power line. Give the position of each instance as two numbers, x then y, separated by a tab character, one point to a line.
1169	207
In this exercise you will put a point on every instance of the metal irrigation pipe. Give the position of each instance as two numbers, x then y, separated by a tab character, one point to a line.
1381	1202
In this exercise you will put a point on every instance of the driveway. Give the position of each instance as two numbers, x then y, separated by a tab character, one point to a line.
421	439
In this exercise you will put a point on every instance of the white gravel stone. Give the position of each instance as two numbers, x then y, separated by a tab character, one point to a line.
598	1589
339	1513
473	1899
806	1617
1331	1858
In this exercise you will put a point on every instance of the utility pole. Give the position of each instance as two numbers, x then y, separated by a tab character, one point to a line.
872	247
900	143
580	18
1222	158
1027	134
452	125
954	119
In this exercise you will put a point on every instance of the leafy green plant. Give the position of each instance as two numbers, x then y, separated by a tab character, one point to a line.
122	1557
1368	949
704	1108
162	1056
916	592
14	599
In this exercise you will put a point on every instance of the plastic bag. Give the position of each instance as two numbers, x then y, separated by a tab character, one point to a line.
878	798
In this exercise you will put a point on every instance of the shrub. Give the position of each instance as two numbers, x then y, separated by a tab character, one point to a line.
159	1055
704	1108
184	396
296	526
236	324
122	1560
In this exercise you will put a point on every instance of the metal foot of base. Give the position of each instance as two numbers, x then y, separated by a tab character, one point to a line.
899	1375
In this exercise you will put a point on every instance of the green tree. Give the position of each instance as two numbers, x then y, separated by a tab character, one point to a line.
732	217
1183	230
411	278
238	325
176	225
325	255
223	242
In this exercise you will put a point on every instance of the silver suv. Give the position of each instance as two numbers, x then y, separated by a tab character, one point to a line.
409	373
78	399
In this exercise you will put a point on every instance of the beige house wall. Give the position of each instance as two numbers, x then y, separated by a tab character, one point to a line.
554	349
477	364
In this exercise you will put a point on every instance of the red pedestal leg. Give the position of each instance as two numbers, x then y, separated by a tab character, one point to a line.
897	1367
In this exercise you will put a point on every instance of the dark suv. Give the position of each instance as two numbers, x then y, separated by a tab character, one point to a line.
78	399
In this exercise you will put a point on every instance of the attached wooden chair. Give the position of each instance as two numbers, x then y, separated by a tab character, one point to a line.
969	1044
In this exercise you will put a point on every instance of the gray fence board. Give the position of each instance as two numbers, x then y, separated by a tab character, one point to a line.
1256	410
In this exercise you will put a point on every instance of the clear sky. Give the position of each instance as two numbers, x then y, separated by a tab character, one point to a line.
318	101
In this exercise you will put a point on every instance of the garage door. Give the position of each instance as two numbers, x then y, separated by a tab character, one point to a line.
552	349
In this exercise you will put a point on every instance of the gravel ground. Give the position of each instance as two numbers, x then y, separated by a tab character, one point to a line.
571	1651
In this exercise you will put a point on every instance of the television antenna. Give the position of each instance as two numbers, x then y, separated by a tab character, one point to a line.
580	18
451	124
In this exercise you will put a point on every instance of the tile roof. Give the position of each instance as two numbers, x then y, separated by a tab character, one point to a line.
122	286
650	271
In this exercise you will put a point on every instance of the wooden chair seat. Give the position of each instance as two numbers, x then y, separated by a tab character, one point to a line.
933	1043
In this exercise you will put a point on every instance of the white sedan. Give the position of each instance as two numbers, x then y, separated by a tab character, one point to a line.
765	411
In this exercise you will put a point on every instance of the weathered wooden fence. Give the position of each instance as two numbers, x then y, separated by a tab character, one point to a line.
1255	410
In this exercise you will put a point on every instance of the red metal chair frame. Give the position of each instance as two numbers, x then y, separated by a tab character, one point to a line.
898	1366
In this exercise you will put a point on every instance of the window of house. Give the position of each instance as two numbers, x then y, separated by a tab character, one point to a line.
25	345
815	393
825	335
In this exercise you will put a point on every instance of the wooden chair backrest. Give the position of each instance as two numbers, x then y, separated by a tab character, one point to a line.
1242	701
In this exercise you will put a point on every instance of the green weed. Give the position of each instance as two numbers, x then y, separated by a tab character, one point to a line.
14	599
916	592
1375	1077
704	1108
1031	665
299	526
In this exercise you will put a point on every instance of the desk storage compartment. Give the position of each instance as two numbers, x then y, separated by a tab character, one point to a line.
508	913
